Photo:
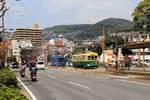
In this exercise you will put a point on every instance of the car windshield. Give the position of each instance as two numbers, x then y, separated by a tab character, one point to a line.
14	64
40	63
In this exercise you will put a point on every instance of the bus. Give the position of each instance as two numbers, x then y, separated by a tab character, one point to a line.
85	60
57	60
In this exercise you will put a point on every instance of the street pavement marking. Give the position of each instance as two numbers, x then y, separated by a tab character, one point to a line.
51	76
133	82
102	77
70	82
27	89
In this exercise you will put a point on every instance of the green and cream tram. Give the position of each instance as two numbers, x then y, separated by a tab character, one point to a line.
85	60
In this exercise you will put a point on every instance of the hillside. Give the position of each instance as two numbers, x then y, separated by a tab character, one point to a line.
115	24
90	31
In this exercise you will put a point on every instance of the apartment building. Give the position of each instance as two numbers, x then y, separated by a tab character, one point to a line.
34	34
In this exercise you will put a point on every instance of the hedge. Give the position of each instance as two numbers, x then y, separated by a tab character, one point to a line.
9	89
8	78
7	93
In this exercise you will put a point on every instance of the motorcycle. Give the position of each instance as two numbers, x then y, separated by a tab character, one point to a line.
33	74
22	72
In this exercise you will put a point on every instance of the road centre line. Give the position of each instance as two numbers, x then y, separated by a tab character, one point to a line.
133	82
51	76
83	86
26	88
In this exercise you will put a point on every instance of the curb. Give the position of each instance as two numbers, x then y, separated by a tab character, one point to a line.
135	73
118	77
26	88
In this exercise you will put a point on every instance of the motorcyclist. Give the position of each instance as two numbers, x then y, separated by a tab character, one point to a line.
32	66
33	70
23	69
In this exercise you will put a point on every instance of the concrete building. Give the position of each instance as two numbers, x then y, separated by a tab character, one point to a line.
109	57
139	43
16	47
34	34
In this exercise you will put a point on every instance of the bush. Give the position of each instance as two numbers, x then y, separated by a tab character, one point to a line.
8	78
7	93
9	89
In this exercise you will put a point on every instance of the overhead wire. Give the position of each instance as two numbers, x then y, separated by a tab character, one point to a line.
29	14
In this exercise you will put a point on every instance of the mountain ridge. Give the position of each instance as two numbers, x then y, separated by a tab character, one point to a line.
89	31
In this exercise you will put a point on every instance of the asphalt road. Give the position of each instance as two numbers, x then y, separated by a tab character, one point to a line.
58	85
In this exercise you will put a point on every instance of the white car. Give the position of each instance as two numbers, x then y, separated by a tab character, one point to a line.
40	65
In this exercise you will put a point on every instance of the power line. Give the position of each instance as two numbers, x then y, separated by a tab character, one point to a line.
22	4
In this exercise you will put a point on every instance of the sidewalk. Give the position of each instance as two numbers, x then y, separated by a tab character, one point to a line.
134	72
101	71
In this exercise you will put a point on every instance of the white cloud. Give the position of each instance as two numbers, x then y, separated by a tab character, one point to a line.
89	11
55	12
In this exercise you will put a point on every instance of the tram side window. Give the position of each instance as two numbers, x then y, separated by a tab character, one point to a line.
93	58
89	58
61	59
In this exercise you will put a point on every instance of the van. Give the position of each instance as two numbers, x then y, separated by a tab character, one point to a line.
40	65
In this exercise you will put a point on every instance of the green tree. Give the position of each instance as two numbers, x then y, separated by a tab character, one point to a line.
99	50
78	49
95	48
12	58
126	51
109	40
141	16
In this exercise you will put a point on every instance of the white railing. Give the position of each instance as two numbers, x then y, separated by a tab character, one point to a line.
138	38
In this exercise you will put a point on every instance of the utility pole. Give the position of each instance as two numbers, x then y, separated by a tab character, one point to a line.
116	50
3	9
139	52
144	58
103	45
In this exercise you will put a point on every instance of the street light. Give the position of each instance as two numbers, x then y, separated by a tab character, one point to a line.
144	29
116	50
3	10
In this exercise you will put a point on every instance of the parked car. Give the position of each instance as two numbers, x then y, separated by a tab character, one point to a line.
147	62
134	62
69	63
15	65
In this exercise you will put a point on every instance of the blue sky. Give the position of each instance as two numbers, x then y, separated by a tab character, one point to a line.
57	12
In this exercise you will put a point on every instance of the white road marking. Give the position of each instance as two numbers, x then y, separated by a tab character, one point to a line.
51	76
117	77
102	77
133	82
30	93
70	82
